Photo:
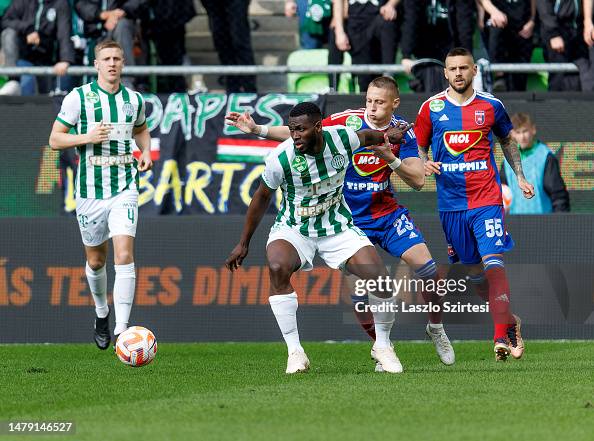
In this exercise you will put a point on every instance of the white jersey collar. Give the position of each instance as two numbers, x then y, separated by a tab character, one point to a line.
455	103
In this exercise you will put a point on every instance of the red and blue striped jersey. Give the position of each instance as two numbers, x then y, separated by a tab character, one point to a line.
461	138
367	189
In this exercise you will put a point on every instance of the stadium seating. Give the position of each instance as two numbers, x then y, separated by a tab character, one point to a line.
316	82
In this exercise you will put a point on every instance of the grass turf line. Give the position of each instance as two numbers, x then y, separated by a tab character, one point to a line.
239	391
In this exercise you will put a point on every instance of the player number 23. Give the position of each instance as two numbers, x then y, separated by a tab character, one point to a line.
493	227
403	224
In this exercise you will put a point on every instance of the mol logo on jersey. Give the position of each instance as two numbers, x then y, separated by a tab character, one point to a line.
457	142
366	163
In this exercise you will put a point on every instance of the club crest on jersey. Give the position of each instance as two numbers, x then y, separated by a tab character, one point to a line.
92	97
479	117
457	142
436	105
366	163
354	122
299	164
128	109
337	162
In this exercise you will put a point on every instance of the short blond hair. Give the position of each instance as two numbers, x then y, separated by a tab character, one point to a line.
107	44
521	120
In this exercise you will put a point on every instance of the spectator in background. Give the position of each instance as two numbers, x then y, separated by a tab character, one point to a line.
80	45
165	26
509	28
370	33
541	167
430	29
561	31
314	21
40	27
112	20
588	83
10	51
228	21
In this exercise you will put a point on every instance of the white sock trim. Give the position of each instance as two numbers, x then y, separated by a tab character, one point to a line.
97	280
384	320
123	295
284	307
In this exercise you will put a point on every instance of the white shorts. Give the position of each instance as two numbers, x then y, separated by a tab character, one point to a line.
334	250
101	219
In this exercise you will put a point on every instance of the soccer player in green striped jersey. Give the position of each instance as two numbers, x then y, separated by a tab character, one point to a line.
310	169
107	119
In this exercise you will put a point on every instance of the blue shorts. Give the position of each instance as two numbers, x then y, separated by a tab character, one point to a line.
473	234
395	232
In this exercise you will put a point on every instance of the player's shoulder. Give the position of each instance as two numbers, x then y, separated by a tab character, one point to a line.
75	96
341	118
490	98
397	119
436	101
132	92
338	130
286	147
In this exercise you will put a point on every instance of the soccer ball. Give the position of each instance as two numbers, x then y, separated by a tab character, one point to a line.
507	196
136	346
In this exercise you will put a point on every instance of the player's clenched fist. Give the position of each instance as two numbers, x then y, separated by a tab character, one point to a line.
236	257
526	187
100	133
145	162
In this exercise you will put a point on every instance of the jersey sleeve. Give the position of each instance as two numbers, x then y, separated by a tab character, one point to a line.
70	110
273	175
423	126
328	122
503	124
140	115
409	148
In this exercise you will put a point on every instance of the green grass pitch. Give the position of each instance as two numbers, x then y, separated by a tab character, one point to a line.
239	391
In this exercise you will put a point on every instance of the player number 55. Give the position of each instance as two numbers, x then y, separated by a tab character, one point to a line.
493	227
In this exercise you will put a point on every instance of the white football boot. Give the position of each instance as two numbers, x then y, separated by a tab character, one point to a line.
297	362
387	360
444	348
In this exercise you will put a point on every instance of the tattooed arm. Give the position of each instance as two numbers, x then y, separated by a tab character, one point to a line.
512	156
429	165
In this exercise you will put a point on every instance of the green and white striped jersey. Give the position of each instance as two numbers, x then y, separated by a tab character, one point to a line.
106	169
312	185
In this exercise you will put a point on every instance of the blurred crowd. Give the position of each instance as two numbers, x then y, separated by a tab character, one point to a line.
61	33
423	31
415	33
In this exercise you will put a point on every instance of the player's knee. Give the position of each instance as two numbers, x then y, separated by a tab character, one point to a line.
279	270
123	257
96	262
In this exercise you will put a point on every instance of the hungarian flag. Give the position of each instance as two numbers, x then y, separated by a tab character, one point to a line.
244	150
155	149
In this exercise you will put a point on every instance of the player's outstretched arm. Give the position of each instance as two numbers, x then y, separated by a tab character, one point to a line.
245	123
258	206
512	155
60	139
412	172
410	169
